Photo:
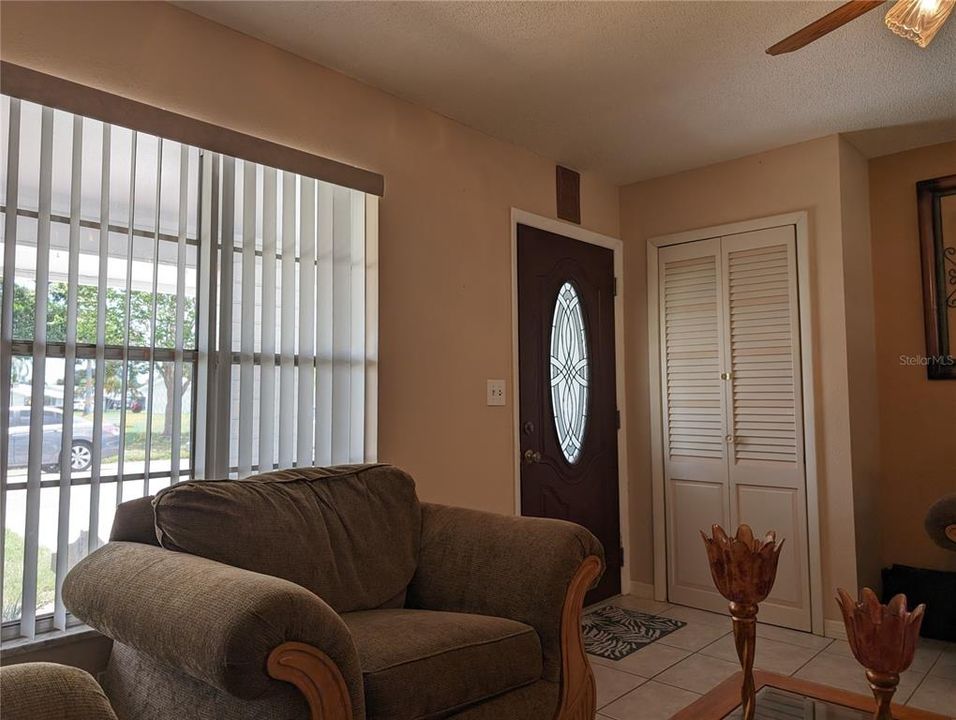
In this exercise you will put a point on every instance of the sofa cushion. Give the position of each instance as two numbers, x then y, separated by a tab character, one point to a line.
134	522
350	534
424	663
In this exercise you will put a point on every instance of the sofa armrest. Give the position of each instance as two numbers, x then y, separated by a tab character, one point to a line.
42	691
217	623
515	567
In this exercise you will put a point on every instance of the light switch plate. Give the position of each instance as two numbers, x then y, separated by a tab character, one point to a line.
496	392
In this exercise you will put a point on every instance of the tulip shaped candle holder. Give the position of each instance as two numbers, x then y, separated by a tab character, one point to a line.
883	639
743	568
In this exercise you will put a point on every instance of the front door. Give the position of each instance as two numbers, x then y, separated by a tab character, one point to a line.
567	404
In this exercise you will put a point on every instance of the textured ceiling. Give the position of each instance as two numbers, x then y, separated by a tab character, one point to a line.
630	90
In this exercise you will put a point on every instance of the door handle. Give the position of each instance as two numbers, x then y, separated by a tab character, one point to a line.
532	456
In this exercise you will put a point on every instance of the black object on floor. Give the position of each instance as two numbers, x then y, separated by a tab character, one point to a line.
612	632
936	588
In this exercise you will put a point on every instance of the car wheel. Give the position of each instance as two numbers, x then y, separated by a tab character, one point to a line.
81	456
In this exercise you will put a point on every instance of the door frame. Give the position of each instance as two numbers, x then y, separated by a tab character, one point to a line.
799	220
522	217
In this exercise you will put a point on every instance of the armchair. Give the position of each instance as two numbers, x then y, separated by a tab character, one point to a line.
48	691
334	594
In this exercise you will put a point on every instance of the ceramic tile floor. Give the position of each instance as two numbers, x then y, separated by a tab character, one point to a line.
663	677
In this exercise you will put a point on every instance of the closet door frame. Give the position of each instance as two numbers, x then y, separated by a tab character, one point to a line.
797	220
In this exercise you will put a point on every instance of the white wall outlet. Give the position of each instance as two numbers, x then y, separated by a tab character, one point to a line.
496	392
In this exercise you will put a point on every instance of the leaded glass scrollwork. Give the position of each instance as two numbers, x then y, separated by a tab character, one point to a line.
570	372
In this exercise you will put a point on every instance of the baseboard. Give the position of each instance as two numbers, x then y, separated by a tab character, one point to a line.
642	590
834	629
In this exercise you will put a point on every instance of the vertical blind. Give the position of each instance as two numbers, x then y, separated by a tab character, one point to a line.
167	313
293	349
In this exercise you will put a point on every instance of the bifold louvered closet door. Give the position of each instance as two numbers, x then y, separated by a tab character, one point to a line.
732	410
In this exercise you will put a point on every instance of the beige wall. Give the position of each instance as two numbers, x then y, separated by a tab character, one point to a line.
445	218
917	416
861	361
798	177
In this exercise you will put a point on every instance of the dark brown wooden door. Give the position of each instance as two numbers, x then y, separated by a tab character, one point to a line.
568	414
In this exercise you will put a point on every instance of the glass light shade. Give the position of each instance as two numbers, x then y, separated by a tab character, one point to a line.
918	20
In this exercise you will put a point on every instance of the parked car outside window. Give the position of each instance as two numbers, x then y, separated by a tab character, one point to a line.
81	451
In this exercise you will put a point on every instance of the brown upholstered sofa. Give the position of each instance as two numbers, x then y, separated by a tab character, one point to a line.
47	691
333	593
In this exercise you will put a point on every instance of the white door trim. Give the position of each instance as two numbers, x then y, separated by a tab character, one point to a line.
614	244
799	221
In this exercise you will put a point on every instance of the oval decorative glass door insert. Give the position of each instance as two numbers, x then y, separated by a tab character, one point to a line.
569	372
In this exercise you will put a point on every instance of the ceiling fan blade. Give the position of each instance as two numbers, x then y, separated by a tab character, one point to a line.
828	23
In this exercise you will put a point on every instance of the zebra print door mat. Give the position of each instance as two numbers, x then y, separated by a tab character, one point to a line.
613	633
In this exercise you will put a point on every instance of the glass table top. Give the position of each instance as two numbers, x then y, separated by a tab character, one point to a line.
776	704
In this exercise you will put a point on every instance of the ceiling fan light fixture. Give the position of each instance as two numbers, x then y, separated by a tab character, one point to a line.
918	20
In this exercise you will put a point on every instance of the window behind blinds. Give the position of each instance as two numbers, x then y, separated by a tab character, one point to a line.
293	338
167	314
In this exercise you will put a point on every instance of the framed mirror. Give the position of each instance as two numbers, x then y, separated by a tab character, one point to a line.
936	204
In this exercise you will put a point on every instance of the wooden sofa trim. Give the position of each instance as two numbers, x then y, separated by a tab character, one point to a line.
578	694
316	677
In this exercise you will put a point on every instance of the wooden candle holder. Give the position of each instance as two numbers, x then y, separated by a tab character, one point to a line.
743	568
883	640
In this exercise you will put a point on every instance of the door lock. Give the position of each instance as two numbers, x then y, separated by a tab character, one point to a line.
532	456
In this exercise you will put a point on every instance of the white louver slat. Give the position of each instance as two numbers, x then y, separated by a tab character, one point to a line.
764	393
691	323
